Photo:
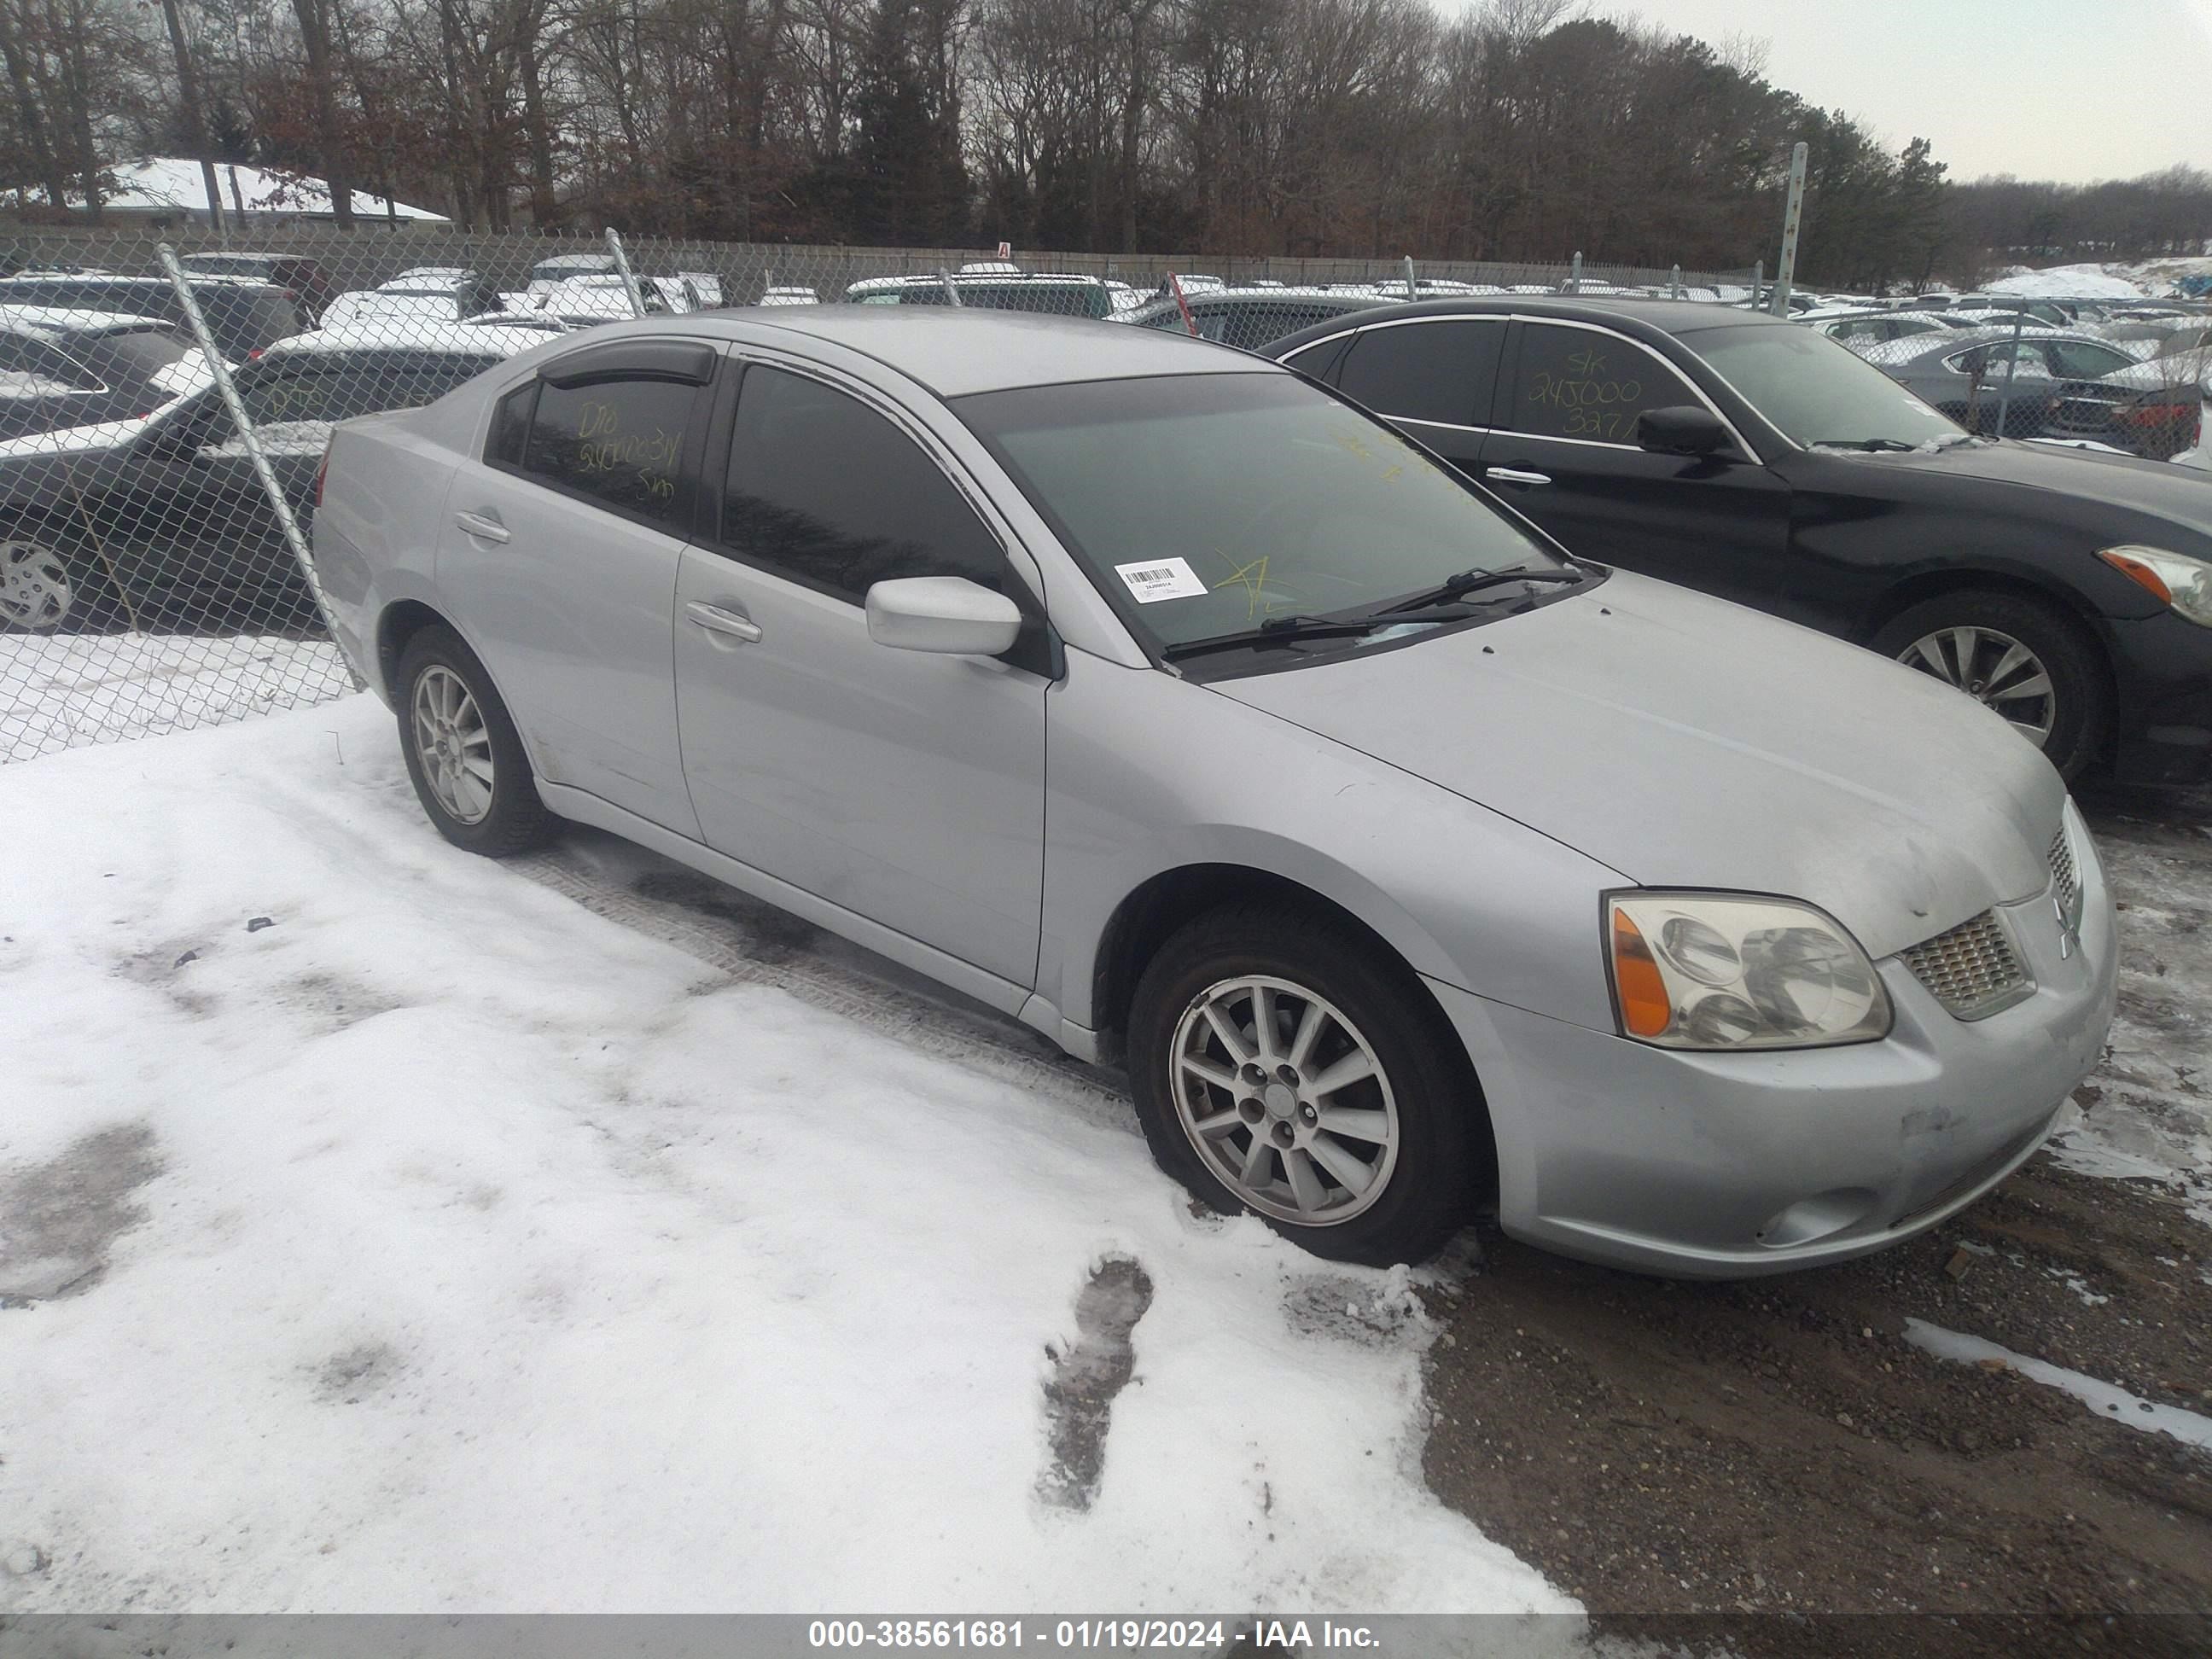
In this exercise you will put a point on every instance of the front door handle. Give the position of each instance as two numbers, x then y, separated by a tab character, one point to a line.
483	528
1515	475
716	620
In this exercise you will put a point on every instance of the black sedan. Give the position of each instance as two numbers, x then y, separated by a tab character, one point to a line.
1755	458
61	368
162	523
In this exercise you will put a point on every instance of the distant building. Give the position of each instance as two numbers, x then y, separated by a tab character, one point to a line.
170	188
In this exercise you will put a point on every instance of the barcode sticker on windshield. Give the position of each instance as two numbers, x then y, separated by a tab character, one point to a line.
1160	579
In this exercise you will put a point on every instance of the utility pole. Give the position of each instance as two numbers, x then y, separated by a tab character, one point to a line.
188	88
1792	217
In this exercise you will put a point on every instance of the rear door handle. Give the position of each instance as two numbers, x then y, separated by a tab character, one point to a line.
483	527
1515	475
716	620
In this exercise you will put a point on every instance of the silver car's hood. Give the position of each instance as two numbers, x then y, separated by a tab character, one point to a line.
1688	742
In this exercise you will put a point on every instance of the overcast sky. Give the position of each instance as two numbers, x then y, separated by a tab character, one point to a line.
2073	89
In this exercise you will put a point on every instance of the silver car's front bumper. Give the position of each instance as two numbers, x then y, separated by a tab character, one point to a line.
1721	1166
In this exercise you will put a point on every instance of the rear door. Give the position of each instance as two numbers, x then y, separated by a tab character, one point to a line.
1564	452
560	544
904	788
1435	377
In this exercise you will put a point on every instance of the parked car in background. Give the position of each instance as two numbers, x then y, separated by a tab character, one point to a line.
1050	295
561	267
789	293
1410	865
63	368
1756	460
1858	329
1977	376
242	315
305	278
588	302
141	523
1249	318
470	291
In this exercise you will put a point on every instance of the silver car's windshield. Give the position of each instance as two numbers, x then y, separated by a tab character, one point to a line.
1819	392
1206	505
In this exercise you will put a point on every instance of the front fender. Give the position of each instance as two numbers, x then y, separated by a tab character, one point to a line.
1149	774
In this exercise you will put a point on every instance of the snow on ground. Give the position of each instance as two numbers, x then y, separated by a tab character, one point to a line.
2192	1428
2146	1114
439	1245
2066	282
63	691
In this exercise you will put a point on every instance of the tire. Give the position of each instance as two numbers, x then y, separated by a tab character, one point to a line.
464	733
47	586
1424	1181
2078	705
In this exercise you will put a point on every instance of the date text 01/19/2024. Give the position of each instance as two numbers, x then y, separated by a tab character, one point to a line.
1210	1635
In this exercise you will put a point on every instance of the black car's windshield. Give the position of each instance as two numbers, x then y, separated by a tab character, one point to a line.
1210	503
1818	392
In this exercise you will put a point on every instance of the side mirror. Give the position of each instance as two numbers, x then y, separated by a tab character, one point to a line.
948	615
1680	429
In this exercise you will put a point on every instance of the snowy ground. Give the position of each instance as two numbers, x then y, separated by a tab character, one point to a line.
64	691
439	1245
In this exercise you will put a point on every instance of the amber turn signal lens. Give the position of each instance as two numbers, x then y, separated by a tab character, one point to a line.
1645	1011
2140	573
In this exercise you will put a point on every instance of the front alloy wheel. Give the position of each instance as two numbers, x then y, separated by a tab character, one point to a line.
1994	669
36	592
1284	1100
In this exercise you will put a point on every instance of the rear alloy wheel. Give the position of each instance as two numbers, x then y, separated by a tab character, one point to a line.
1284	1065
2020	658
37	592
464	755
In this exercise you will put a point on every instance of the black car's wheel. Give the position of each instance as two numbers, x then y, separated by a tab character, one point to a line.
47	586
466	759
1283	1065
2026	660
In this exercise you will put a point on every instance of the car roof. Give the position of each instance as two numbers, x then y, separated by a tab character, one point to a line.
954	350
62	320
454	339
1669	316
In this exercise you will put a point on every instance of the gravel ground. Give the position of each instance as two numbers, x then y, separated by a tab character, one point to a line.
1664	1450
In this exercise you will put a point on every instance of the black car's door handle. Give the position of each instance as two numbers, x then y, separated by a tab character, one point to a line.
1514	475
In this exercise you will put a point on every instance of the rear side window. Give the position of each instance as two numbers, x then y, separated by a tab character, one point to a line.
1578	383
619	443
1442	371
826	491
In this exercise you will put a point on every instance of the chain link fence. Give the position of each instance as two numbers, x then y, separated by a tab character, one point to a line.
166	396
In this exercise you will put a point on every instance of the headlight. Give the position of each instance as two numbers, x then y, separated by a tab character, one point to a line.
2174	580
1711	970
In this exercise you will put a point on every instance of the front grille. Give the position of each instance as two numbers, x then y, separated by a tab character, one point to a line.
1972	970
2063	871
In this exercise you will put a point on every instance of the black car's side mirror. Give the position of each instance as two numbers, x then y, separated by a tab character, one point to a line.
1682	429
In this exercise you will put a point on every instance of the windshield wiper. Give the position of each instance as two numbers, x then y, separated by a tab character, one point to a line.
1872	445
1452	589
1276	631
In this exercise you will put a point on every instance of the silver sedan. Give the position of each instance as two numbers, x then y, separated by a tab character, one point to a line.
1175	707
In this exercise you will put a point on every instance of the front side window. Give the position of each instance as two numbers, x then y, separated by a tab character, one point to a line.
1578	383
1206	505
619	443
2077	359
1442	372
824	490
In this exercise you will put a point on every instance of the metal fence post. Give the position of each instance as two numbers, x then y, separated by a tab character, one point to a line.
2011	368
622	264
951	293
1674	283
1793	216
1574	274
1413	288
228	391
1758	281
